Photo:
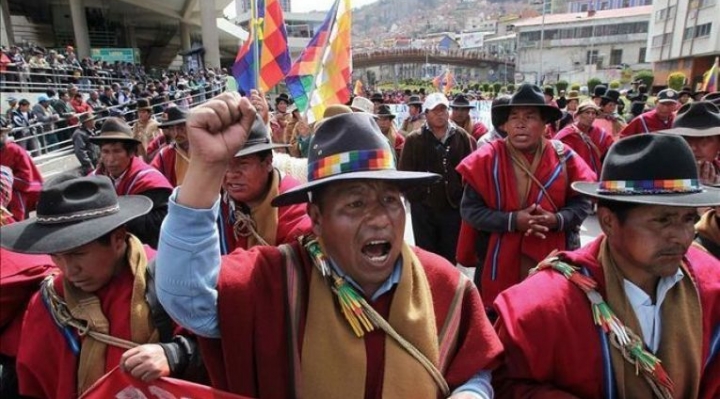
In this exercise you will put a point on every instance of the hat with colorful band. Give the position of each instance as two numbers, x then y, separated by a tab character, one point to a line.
350	147
636	170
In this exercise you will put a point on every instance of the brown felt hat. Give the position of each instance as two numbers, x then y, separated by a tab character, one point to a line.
114	129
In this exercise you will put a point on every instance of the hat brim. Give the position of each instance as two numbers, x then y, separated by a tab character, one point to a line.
548	112
690	132
356	109
113	137
710	196
259	148
30	237
378	116
667	100
402	179
171	123
461	106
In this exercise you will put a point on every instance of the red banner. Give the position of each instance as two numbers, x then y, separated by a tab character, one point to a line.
120	385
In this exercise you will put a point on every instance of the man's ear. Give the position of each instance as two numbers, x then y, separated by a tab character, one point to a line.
608	221
315	217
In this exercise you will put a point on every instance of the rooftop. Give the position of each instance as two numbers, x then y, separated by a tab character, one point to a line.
552	19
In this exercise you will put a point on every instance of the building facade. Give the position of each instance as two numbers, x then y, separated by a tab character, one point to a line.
244	5
587	5
683	37
606	44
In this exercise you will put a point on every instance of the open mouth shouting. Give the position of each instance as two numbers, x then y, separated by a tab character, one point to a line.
377	251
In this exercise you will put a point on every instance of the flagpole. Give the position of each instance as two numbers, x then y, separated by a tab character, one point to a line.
256	46
324	52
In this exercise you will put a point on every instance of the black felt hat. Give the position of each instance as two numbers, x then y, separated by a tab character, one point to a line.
349	147
173	116
611	95
384	111
686	90
599	91
143	104
71	212
414	100
713	97
258	140
377	97
696	119
114	129
528	95
549	91
637	170
460	101
283	97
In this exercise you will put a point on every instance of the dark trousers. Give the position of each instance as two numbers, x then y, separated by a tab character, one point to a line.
436	230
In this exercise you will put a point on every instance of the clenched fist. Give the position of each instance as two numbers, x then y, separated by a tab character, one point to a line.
219	128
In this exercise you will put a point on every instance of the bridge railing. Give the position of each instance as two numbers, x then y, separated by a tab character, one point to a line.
45	142
41	79
417	52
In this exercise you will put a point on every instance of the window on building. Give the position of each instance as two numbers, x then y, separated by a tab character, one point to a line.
604	5
626	3
641	56
697	31
616	56
591	57
583	8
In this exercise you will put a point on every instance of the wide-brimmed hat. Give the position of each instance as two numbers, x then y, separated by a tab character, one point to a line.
461	101
636	170
362	104
611	95
173	116
258	140
528	95
114	129
696	119
713	97
573	95
599	91
283	97
349	147
686	91
385	112
377	96
667	96
87	117
71	212
143	104
414	100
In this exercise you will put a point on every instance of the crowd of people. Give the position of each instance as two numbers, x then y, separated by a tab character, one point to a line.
191	249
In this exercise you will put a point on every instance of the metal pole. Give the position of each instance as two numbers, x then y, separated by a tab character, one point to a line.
592	45
542	40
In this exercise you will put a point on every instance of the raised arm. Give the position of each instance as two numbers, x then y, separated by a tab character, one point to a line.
188	258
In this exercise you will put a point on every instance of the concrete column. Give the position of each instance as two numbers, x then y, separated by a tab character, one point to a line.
7	37
210	40
131	36
82	38
185	36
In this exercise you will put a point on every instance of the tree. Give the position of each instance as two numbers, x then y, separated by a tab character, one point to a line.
486	86
575	86
615	84
496	87
561	85
592	83
646	76
676	80
510	88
